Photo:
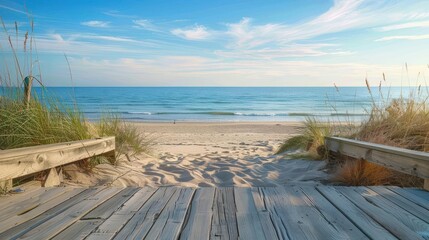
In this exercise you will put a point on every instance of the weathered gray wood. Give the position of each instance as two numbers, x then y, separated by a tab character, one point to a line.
411	162
306	220
224	224
111	226
140	224
198	224
23	161
58	223
30	203
412	222
402	202
331	213
421	201
11	200
89	222
170	221
268	223
249	224
365	223
27	226
387	220
40	209
270	201
53	179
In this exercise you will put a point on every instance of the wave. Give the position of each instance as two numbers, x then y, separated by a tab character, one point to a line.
220	113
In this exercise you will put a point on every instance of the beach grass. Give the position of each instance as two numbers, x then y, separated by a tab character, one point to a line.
400	122
30	117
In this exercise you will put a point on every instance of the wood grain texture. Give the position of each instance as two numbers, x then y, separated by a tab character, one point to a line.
224	223
23	161
386	219
200	216
411	162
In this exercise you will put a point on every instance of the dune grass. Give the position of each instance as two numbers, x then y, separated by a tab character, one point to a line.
30	117
400	122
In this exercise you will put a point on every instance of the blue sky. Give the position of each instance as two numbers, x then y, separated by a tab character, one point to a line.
225	43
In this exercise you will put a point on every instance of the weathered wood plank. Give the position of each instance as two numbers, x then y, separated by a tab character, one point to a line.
89	222
112	225
249	224
365	223
198	224
268	224
412	222
23	161
140	224
411	162
387	220
40	209
308	222
58	223
224	224
9	201
27	226
30	203
402	202
426	184
270	202
422	202
331	213
170	221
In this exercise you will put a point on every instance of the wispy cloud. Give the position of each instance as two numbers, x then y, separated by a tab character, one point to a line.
96	24
146	25
419	24
409	37
117	14
13	9
195	33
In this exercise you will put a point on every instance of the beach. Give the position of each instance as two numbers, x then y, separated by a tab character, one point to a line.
240	154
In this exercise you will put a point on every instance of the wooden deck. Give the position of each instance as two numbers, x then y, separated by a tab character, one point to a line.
290	212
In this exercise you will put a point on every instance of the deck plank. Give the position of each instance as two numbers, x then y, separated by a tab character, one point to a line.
386	219
200	216
364	222
40	209
423	202
61	221
112	225
408	219
402	202
27	226
83	227
331	213
248	221
170	221
224	224
140	224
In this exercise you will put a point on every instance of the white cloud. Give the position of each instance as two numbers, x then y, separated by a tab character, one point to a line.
101	37
145	24
409	37
197	32
96	24
419	24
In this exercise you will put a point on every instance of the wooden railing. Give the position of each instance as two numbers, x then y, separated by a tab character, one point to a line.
19	162
407	161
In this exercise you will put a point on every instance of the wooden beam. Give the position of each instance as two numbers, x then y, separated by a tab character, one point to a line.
407	161
24	161
426	184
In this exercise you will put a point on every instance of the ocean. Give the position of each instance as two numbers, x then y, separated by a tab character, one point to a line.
222	103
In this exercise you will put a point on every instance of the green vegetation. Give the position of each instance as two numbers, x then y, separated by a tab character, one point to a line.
402	122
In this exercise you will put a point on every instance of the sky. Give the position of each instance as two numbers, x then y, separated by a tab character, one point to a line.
222	43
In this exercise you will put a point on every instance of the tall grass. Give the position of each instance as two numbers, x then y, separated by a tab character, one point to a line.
401	122
41	118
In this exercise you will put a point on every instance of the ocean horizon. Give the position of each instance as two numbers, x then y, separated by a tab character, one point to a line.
201	104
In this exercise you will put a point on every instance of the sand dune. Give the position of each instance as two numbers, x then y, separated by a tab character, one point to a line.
209	154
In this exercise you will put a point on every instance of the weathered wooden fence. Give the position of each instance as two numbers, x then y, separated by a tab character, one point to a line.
407	161
19	162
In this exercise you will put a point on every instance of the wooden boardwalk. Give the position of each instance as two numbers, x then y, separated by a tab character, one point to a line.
290	212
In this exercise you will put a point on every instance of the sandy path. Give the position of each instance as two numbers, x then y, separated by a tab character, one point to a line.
210	154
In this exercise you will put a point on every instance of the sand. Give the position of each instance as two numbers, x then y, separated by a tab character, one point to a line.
208	154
